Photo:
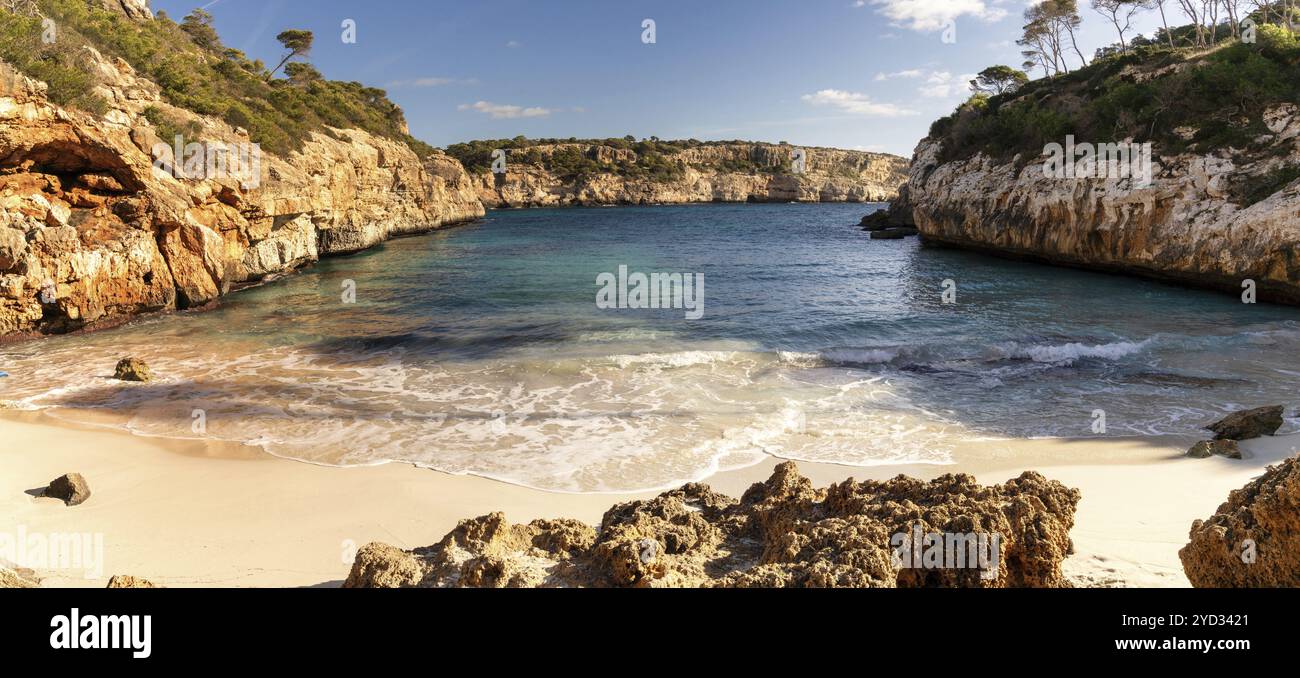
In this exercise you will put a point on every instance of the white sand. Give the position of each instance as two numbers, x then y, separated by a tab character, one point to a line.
186	514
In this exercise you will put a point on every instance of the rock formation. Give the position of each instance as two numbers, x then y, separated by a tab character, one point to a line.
92	231
1248	424
1208	448
1253	540
71	488
10	579
1186	226
831	175
781	533
132	369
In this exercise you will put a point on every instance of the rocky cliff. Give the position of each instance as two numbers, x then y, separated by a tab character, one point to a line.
1221	208
739	172
1189	225
92	231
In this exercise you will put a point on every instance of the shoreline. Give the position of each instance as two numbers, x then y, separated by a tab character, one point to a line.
198	513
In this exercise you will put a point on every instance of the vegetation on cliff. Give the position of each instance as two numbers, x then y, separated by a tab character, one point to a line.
653	158
197	72
1173	91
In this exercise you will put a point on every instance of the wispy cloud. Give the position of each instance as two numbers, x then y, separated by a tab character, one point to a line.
505	111
933	15
945	85
912	73
855	103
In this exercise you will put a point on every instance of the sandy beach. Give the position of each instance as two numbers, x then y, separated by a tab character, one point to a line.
183	513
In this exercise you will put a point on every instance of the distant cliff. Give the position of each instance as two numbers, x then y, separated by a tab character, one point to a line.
653	172
1222	208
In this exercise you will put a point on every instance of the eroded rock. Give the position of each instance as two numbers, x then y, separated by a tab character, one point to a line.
132	369
71	488
781	533
1253	539
1209	448
1248	424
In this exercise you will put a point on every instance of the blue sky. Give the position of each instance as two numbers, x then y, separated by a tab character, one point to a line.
863	74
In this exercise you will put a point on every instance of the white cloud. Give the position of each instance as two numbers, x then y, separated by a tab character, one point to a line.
911	73
944	85
934	15
855	104
505	111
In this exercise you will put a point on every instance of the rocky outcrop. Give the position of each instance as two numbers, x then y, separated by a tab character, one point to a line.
72	488
831	175
781	533
11	579
1188	225
92	231
1209	448
1248	424
132	369
1253	540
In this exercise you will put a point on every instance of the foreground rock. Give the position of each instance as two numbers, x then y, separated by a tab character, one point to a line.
1253	540
126	581
1249	424
10	579
132	369
781	533
71	488
1210	448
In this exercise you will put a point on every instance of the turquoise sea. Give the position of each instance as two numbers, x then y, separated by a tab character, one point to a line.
481	350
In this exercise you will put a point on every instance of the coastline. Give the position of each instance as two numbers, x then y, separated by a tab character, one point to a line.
189	513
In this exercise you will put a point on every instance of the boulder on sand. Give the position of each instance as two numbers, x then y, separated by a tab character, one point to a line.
71	488
11	579
1253	540
132	369
1248	424
1209	448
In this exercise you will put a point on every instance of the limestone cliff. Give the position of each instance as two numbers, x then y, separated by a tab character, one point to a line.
736	172
92	231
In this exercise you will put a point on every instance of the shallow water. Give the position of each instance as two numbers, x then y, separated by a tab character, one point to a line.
481	350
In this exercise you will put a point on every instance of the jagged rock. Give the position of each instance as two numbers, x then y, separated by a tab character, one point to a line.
71	488
832	175
781	533
11	579
1209	448
132	369
1252	540
382	566
1248	424
126	581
